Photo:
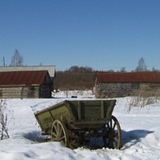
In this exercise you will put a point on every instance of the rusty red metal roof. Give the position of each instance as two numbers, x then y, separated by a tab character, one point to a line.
22	77
128	77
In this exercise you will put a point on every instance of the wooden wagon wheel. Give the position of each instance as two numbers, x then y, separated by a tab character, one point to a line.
59	132
113	138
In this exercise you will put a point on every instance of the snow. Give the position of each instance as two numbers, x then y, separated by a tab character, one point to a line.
140	129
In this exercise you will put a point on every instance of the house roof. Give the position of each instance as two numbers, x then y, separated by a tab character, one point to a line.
50	68
22	77
128	77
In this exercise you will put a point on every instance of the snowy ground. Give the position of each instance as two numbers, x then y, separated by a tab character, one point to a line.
140	129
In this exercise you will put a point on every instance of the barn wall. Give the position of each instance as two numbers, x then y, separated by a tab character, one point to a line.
31	92
112	89
10	92
46	87
45	91
103	90
19	92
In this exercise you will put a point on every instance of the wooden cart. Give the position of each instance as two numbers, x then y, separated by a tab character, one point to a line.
75	122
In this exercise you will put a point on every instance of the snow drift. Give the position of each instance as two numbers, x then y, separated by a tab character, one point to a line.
140	130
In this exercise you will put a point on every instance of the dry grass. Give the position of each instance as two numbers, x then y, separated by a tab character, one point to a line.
144	97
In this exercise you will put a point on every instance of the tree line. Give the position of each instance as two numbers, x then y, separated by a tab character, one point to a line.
75	78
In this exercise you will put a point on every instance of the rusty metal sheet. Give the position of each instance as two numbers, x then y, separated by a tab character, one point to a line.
22	77
128	77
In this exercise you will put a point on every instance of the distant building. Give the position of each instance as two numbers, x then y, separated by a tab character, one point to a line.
27	82
118	84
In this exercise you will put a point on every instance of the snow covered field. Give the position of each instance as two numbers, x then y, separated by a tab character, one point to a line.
140	130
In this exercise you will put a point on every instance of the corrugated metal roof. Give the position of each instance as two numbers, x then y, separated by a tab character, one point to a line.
128	77
22	77
51	69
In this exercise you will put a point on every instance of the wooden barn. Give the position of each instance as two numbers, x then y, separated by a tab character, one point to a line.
118	84
25	84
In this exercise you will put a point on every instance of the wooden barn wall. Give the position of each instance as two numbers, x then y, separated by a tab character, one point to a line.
19	92
45	91
10	92
30	92
104	90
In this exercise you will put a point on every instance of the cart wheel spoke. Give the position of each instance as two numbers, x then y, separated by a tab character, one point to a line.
114	125
113	136
116	139
53	134
59	132
62	138
114	144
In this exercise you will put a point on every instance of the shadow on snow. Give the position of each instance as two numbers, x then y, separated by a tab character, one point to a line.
129	138
133	137
34	136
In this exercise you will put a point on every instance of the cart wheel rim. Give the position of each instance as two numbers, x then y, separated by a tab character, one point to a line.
114	135
59	132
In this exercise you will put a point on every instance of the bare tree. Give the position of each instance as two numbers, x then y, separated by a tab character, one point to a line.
123	69
141	65
17	59
154	69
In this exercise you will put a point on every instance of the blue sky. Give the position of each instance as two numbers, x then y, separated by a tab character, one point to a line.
102	34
